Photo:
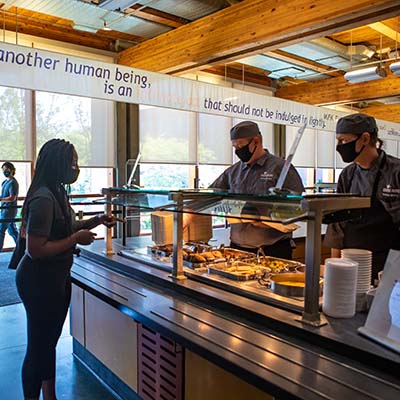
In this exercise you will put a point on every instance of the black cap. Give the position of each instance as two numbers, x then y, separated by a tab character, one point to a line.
357	124
244	129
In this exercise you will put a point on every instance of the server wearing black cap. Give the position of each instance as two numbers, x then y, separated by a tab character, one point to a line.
372	173
256	172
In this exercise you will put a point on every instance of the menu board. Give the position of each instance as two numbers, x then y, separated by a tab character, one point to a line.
383	321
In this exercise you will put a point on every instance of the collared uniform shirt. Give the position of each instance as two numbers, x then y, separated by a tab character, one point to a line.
359	181
257	179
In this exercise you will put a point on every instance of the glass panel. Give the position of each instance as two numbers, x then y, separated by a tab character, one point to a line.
214	140
72	118
92	180
305	153
307	176
326	144
209	173
167	135
165	176
273	208
13	125
144	199
324	175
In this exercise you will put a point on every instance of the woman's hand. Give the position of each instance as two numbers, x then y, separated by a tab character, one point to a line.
83	237
108	220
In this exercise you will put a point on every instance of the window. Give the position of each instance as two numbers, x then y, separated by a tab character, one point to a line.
72	118
92	180
167	135
14	135
214	140
166	176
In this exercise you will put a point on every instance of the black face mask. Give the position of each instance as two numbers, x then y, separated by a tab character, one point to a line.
7	173
348	151
244	152
71	176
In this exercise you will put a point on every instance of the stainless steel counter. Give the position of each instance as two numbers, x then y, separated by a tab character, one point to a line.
260	343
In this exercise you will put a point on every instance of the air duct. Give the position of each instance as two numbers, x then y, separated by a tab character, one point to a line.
357	52
365	74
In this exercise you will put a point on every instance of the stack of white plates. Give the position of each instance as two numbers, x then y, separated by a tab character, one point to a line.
364	260
339	296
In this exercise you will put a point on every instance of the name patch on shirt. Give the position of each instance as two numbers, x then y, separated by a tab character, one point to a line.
390	191
265	176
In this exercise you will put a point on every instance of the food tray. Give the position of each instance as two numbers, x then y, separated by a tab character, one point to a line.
276	265
222	270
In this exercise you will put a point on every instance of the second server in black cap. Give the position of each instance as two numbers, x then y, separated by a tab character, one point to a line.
372	173
256	172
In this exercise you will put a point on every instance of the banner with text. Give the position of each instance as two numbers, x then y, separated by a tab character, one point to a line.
29	68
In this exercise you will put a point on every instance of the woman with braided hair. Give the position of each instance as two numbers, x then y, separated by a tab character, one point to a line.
43	274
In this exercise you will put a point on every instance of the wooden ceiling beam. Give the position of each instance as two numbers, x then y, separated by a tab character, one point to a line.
386	30
153	15
387	112
248	28
338	90
238	73
302	62
42	25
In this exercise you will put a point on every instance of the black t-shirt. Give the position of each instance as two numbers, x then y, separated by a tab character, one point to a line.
45	218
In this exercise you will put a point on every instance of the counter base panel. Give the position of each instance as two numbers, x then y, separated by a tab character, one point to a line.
118	388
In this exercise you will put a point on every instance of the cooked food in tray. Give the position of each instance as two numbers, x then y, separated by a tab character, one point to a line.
197	255
238	270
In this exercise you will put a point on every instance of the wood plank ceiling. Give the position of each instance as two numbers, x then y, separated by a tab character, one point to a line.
247	41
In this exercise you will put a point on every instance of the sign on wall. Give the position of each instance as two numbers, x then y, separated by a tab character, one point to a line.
29	68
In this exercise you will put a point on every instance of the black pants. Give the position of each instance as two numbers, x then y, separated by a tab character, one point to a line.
281	249
45	291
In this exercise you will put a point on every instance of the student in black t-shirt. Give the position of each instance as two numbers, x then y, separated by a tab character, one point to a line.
43	274
8	201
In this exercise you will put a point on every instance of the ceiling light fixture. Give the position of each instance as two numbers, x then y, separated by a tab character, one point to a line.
395	68
85	28
106	27
365	74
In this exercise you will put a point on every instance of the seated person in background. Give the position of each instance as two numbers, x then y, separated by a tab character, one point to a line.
372	173
257	171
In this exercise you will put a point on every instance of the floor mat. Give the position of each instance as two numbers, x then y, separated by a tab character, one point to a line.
8	290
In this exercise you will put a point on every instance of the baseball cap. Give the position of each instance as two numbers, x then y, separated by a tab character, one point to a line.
244	129
357	124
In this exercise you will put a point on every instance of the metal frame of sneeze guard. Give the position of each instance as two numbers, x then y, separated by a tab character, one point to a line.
314	208
107	210
177	263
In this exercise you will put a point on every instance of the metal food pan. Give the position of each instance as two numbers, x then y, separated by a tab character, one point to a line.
220	269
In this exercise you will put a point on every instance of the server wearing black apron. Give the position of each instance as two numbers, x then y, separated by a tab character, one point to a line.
372	173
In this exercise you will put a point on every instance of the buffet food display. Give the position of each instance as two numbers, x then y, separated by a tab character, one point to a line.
268	279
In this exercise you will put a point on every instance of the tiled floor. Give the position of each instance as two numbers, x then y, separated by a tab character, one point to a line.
74	382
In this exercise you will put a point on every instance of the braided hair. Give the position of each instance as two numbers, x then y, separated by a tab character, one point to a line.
54	160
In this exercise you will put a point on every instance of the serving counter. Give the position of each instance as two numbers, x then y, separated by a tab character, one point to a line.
152	336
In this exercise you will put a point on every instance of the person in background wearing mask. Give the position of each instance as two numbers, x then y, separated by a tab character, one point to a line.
43	274
8	199
257	171
372	173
